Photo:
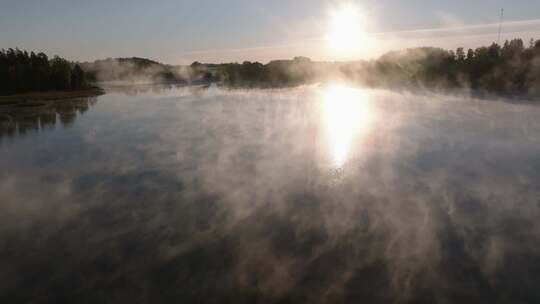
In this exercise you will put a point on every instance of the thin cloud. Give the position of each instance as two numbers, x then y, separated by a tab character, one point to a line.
532	22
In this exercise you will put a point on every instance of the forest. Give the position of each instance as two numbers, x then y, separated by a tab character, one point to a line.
510	69
22	72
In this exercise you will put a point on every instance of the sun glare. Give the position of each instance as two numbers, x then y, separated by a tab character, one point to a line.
346	114
347	35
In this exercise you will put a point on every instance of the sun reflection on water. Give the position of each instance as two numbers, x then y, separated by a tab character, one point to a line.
346	114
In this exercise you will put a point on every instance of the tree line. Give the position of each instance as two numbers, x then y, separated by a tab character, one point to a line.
21	71
298	71
511	68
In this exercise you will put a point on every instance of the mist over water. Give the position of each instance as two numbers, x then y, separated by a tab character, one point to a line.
318	194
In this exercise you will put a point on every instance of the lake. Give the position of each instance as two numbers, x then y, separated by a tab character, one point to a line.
317	194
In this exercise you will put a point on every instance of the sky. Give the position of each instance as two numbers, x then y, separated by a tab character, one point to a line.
182	31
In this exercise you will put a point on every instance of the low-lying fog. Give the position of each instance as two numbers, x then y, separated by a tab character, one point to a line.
321	194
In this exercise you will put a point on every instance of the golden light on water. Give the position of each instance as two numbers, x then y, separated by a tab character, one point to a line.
347	34
346	115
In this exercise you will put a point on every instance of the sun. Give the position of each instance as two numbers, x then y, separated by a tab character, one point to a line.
347	31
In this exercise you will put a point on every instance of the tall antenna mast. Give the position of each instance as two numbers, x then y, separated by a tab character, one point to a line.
500	26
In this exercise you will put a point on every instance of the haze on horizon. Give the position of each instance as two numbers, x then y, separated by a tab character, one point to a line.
180	32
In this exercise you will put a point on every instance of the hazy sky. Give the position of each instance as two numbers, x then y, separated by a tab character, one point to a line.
180	31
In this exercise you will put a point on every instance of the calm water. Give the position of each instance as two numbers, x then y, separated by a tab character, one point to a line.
307	195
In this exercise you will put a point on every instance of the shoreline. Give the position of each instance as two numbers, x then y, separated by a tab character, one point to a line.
49	96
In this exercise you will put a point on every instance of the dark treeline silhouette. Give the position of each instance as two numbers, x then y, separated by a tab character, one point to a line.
247	74
512	68
509	69
276	73
21	71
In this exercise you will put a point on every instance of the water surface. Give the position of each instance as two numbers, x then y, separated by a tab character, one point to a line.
326	194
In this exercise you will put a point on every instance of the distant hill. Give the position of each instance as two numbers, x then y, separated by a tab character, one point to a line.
134	70
139	62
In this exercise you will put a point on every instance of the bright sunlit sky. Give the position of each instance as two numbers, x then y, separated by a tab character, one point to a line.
181	31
